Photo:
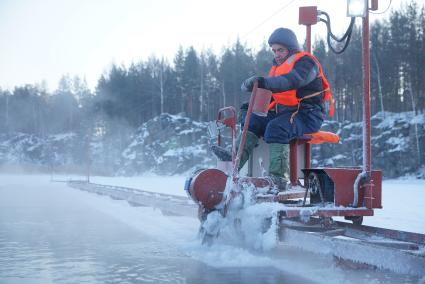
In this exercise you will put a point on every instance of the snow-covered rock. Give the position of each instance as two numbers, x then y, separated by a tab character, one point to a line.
167	144
398	144
174	144
27	149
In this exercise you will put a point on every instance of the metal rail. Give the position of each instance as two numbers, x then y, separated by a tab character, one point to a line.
168	204
398	251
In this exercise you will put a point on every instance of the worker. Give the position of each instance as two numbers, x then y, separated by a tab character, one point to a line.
299	89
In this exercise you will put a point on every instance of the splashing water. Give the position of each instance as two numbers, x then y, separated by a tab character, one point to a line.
243	222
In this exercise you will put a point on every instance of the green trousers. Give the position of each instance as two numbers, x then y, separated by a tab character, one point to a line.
250	143
279	160
279	155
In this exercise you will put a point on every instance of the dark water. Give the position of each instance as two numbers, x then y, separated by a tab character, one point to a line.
48	235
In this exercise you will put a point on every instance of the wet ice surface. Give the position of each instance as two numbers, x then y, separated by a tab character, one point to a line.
50	233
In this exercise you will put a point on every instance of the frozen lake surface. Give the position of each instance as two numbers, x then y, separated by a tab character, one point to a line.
50	233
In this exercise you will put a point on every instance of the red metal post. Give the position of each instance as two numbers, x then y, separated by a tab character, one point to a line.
307	17
307	156
307	152
374	5
293	163
228	121
366	112
366	95
244	131
219	134
308	38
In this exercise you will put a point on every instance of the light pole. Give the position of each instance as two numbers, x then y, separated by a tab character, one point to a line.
360	8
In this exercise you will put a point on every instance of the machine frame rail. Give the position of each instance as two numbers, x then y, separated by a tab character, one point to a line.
398	251
167	203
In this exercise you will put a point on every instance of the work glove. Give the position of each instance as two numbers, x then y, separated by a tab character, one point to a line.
248	84
242	113
244	106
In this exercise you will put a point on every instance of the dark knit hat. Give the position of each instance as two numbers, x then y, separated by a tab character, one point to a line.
285	37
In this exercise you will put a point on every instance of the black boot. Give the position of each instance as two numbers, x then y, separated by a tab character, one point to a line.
225	155
221	153
280	183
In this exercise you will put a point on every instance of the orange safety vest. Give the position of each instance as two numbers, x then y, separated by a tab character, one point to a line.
289	98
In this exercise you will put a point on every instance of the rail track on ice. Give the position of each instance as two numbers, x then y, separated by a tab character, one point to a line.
168	204
398	251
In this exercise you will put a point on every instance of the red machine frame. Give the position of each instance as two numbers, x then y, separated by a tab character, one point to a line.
349	192
357	191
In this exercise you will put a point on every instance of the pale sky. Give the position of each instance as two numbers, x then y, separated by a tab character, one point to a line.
44	39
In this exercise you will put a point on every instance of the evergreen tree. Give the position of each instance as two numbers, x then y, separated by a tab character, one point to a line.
212	86
64	107
179	70
200	84
263	60
191	82
237	64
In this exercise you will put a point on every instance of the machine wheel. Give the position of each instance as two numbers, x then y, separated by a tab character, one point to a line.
313	183
357	220
315	187
326	222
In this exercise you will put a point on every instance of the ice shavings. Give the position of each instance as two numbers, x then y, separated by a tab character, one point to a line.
212	223
221	255
259	225
246	223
